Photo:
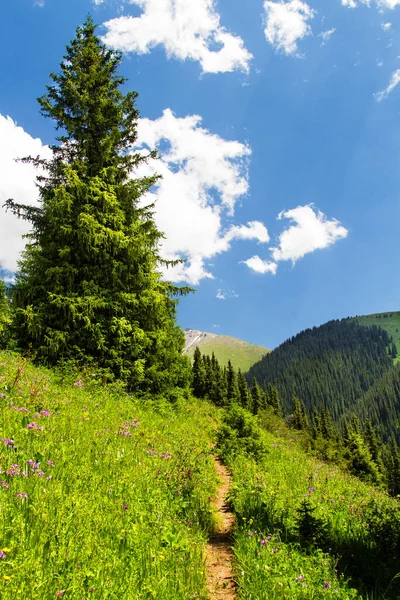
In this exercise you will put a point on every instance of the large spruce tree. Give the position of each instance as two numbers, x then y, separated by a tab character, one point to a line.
89	284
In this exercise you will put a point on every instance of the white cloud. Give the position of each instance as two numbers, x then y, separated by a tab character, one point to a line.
221	295
39	3
382	4
325	35
255	263
17	181
286	23
388	3
203	178
395	80
311	231
386	26
187	30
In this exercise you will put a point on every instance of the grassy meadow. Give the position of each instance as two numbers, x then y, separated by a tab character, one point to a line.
101	495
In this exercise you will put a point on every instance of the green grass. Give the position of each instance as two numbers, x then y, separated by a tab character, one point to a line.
347	545
241	354
101	496
389	321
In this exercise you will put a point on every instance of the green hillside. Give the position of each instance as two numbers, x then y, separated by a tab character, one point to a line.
389	321
77	455
241	354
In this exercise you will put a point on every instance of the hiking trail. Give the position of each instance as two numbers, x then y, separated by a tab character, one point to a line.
219	554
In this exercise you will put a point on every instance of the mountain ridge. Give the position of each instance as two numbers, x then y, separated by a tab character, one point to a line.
241	354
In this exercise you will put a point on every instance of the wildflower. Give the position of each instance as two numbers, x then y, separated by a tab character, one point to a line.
2	395
60	592
124	507
3	484
49	478
7	442
34	426
77	384
326	585
50	463
13	470
2	554
91	590
264	542
22	495
311	490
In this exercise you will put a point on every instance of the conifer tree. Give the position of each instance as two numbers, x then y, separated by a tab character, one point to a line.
89	284
273	399
245	397
300	418
4	316
198	374
258	396
232	390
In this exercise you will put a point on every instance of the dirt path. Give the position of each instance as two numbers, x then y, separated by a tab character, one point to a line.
220	579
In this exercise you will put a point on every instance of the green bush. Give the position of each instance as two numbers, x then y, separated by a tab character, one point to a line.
240	433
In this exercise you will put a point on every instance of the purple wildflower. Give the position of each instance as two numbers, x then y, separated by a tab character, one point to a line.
22	495
78	383
7	442
34	426
2	554
3	484
326	585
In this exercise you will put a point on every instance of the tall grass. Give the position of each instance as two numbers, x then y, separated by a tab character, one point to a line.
306	529
101	496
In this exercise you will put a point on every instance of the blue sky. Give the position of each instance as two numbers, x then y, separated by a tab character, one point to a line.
278	131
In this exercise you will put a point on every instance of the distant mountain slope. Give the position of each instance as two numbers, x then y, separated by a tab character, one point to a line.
333	365
241	354
390	321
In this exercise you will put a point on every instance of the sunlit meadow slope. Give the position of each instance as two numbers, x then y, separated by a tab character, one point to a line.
101	496
307	530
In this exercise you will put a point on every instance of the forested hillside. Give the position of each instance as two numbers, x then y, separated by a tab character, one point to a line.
333	365
390	321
